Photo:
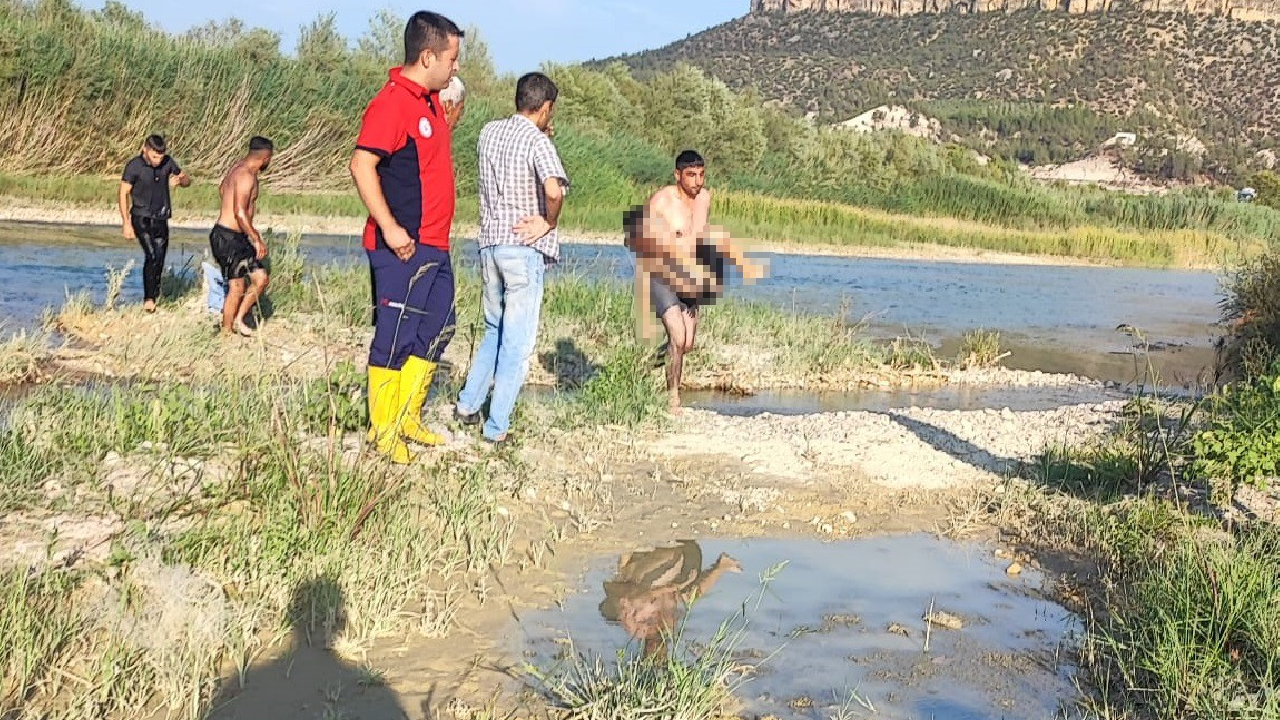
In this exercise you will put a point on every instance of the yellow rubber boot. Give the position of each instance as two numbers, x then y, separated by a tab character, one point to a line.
415	381
384	415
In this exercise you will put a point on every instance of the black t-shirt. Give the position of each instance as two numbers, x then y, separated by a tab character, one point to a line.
151	185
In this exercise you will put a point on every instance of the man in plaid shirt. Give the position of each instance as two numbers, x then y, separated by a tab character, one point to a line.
522	186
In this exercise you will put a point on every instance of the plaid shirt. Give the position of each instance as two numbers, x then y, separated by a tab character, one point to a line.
516	158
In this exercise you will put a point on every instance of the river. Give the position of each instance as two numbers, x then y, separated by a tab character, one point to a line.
1052	318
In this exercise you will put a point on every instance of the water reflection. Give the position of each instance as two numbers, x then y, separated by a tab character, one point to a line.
650	590
841	617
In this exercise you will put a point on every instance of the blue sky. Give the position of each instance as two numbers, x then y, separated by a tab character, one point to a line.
521	33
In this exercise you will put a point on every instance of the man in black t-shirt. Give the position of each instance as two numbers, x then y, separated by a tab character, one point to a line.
145	209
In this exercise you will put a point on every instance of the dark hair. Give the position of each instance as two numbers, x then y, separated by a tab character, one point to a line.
257	143
156	142
427	31
533	90
689	159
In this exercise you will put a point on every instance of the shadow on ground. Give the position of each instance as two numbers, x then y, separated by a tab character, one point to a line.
569	364
947	442
308	680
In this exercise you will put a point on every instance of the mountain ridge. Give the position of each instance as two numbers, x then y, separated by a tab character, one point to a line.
1236	9
1201	91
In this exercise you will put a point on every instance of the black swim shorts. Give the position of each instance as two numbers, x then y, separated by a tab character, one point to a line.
233	252
662	297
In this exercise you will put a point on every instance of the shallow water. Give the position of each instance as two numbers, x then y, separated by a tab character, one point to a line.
1063	318
821	628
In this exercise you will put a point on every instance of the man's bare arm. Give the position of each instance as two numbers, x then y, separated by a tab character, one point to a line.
555	200
701	212
720	239
535	227
242	201
126	201
364	171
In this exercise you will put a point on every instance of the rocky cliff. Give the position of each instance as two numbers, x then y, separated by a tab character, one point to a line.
1239	9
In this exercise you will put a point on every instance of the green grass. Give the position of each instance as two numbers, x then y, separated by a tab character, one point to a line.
979	349
1182	617
1189	626
264	516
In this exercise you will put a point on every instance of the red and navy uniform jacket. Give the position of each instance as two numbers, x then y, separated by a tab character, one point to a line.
405	126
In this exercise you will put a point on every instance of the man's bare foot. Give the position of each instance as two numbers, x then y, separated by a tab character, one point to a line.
728	564
149	306
673	404
242	329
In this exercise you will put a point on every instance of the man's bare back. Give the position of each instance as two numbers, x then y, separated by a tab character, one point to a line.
236	244
239	192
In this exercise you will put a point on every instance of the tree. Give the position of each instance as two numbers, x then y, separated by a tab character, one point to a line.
475	61
383	41
216	33
255	44
321	46
118	14
1267	184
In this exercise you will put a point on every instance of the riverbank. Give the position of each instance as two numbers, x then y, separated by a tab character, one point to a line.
319	322
193	467
14	210
415	581
769	224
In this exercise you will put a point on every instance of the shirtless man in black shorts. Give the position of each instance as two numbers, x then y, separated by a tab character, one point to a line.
680	261
236	244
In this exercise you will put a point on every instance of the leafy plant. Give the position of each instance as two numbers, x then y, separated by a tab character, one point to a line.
1241	442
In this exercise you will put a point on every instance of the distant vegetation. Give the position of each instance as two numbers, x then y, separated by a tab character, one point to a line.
79	89
1032	85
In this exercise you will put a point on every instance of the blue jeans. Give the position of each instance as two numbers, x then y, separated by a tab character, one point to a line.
513	277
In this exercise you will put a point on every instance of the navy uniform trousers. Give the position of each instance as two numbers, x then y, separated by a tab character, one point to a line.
413	306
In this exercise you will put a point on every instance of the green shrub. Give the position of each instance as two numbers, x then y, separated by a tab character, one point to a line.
1252	310
1241	442
1267	183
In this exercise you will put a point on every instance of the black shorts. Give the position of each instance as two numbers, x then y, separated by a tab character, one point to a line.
663	297
233	252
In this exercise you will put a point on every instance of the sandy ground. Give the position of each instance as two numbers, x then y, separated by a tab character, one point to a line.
24	210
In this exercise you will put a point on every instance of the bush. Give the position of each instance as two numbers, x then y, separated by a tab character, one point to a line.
1252	309
1241	442
1267	184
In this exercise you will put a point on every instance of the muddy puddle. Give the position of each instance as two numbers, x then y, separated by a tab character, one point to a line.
837	625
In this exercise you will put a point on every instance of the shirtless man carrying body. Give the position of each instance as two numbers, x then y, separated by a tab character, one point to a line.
236	244
680	261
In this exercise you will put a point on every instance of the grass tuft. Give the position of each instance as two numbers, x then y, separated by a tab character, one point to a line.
979	349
